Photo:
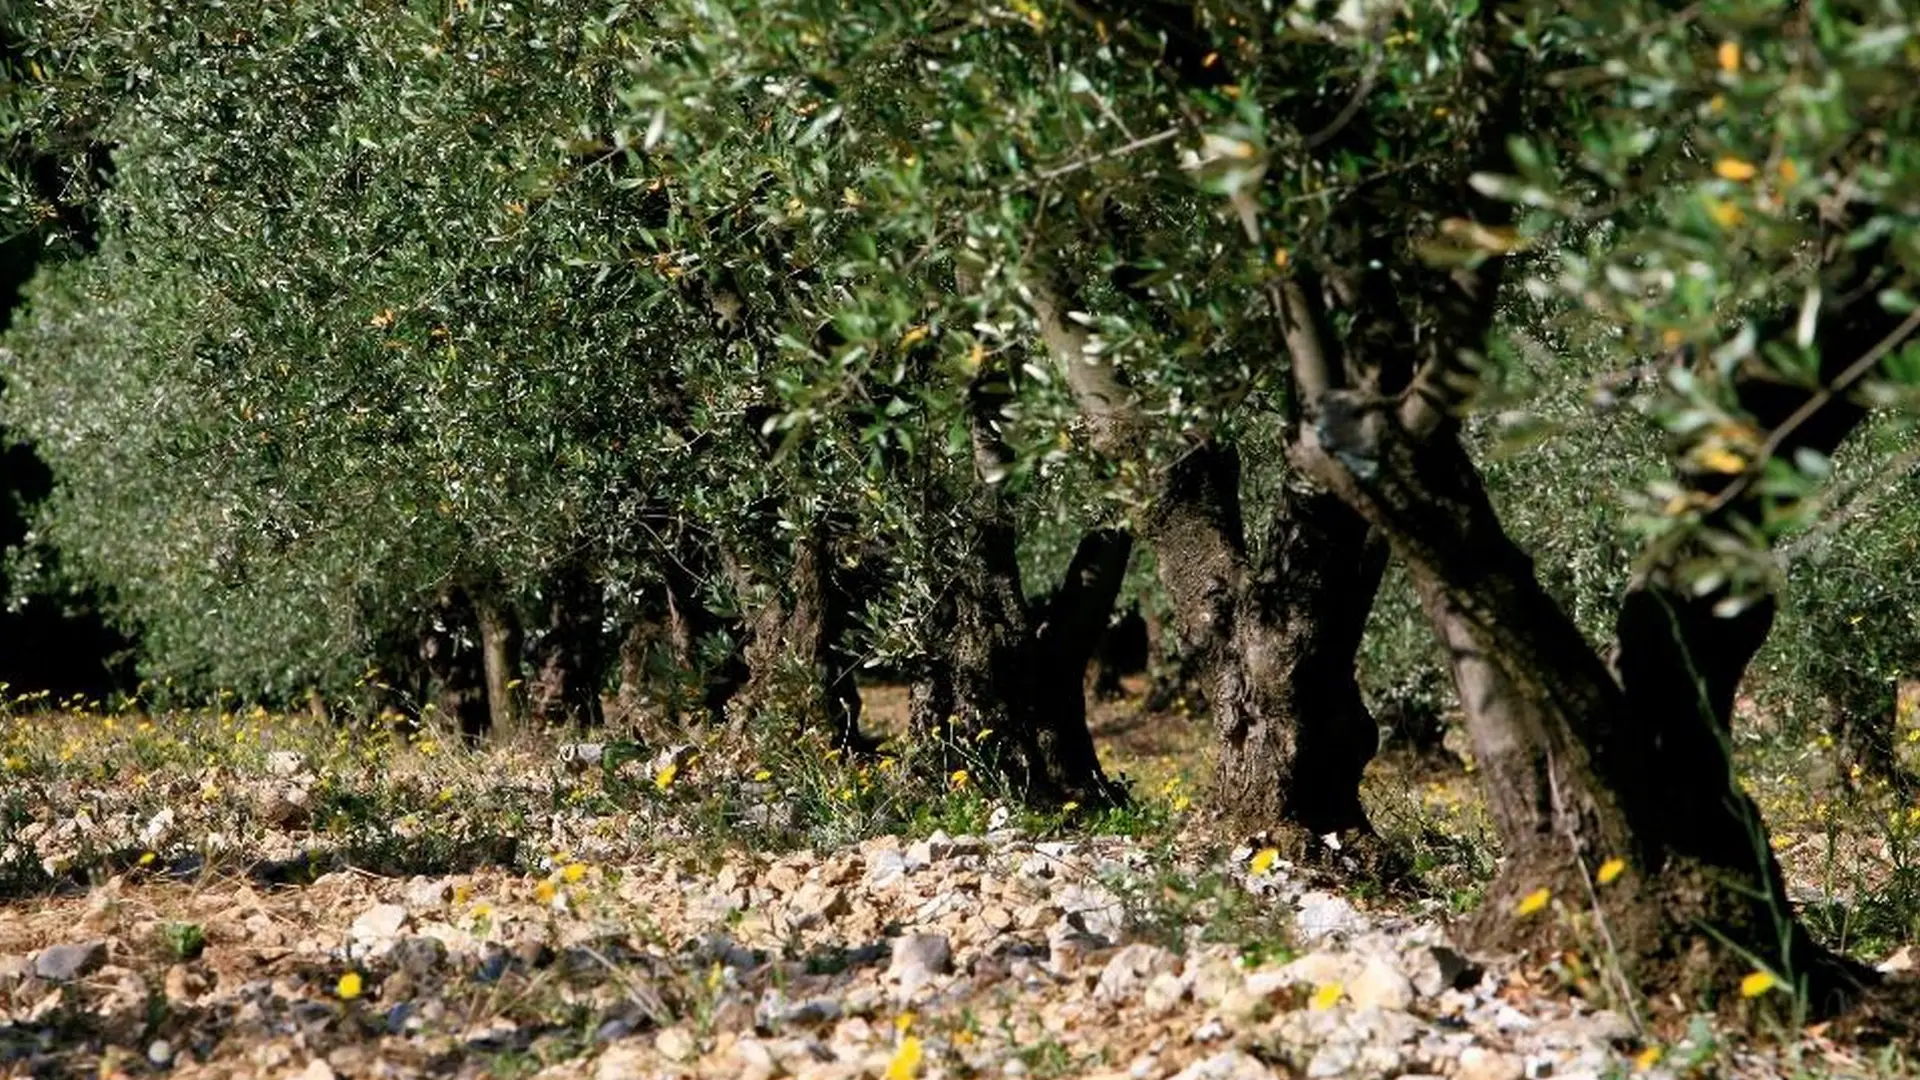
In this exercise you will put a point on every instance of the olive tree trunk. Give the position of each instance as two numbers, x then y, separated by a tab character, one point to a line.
797	652
500	656
1270	636
1006	678
1585	762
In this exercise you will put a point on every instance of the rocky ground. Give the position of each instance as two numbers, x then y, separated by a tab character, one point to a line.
988	955
245	895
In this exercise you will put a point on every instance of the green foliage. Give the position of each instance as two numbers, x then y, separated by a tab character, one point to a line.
404	325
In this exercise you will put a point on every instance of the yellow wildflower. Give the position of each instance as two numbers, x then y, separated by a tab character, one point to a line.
1729	56
349	986
664	778
1263	861
1326	996
906	1060
1757	983
1532	902
1610	871
1721	460
1733	168
573	873
1648	1058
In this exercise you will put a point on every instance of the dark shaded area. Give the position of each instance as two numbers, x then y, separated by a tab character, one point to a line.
52	643
1124	650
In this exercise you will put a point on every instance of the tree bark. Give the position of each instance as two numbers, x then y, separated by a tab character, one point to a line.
707	645
1273	641
1007	676
1007	685
500	657
1580	768
1270	639
797	652
570	661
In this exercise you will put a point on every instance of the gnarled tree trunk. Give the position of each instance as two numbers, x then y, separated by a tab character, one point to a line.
797	647
1270	637
1007	675
1273	639
1584	764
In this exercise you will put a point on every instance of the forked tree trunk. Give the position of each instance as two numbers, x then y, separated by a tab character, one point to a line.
1007	686
1580	768
797	646
1006	678
570	663
500	657
1273	641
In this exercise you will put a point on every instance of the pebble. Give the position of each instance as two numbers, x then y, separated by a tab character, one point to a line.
1380	985
1324	915
62	963
1127	974
379	923
917	959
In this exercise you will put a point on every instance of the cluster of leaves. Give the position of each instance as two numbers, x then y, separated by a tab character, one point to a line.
381	304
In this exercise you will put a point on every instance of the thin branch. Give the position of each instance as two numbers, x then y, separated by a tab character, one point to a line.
1109	406
1352	107
1313	373
1122	150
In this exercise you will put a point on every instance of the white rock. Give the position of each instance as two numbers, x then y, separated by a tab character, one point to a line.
917	959
676	1044
623	1061
1210	1031
1380	985
379	923
755	1060
1313	969
1901	961
1092	908
1126	975
156	827
1434	969
1479	1063
1323	915
284	763
1165	992
1334	1059
428	893
886	866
